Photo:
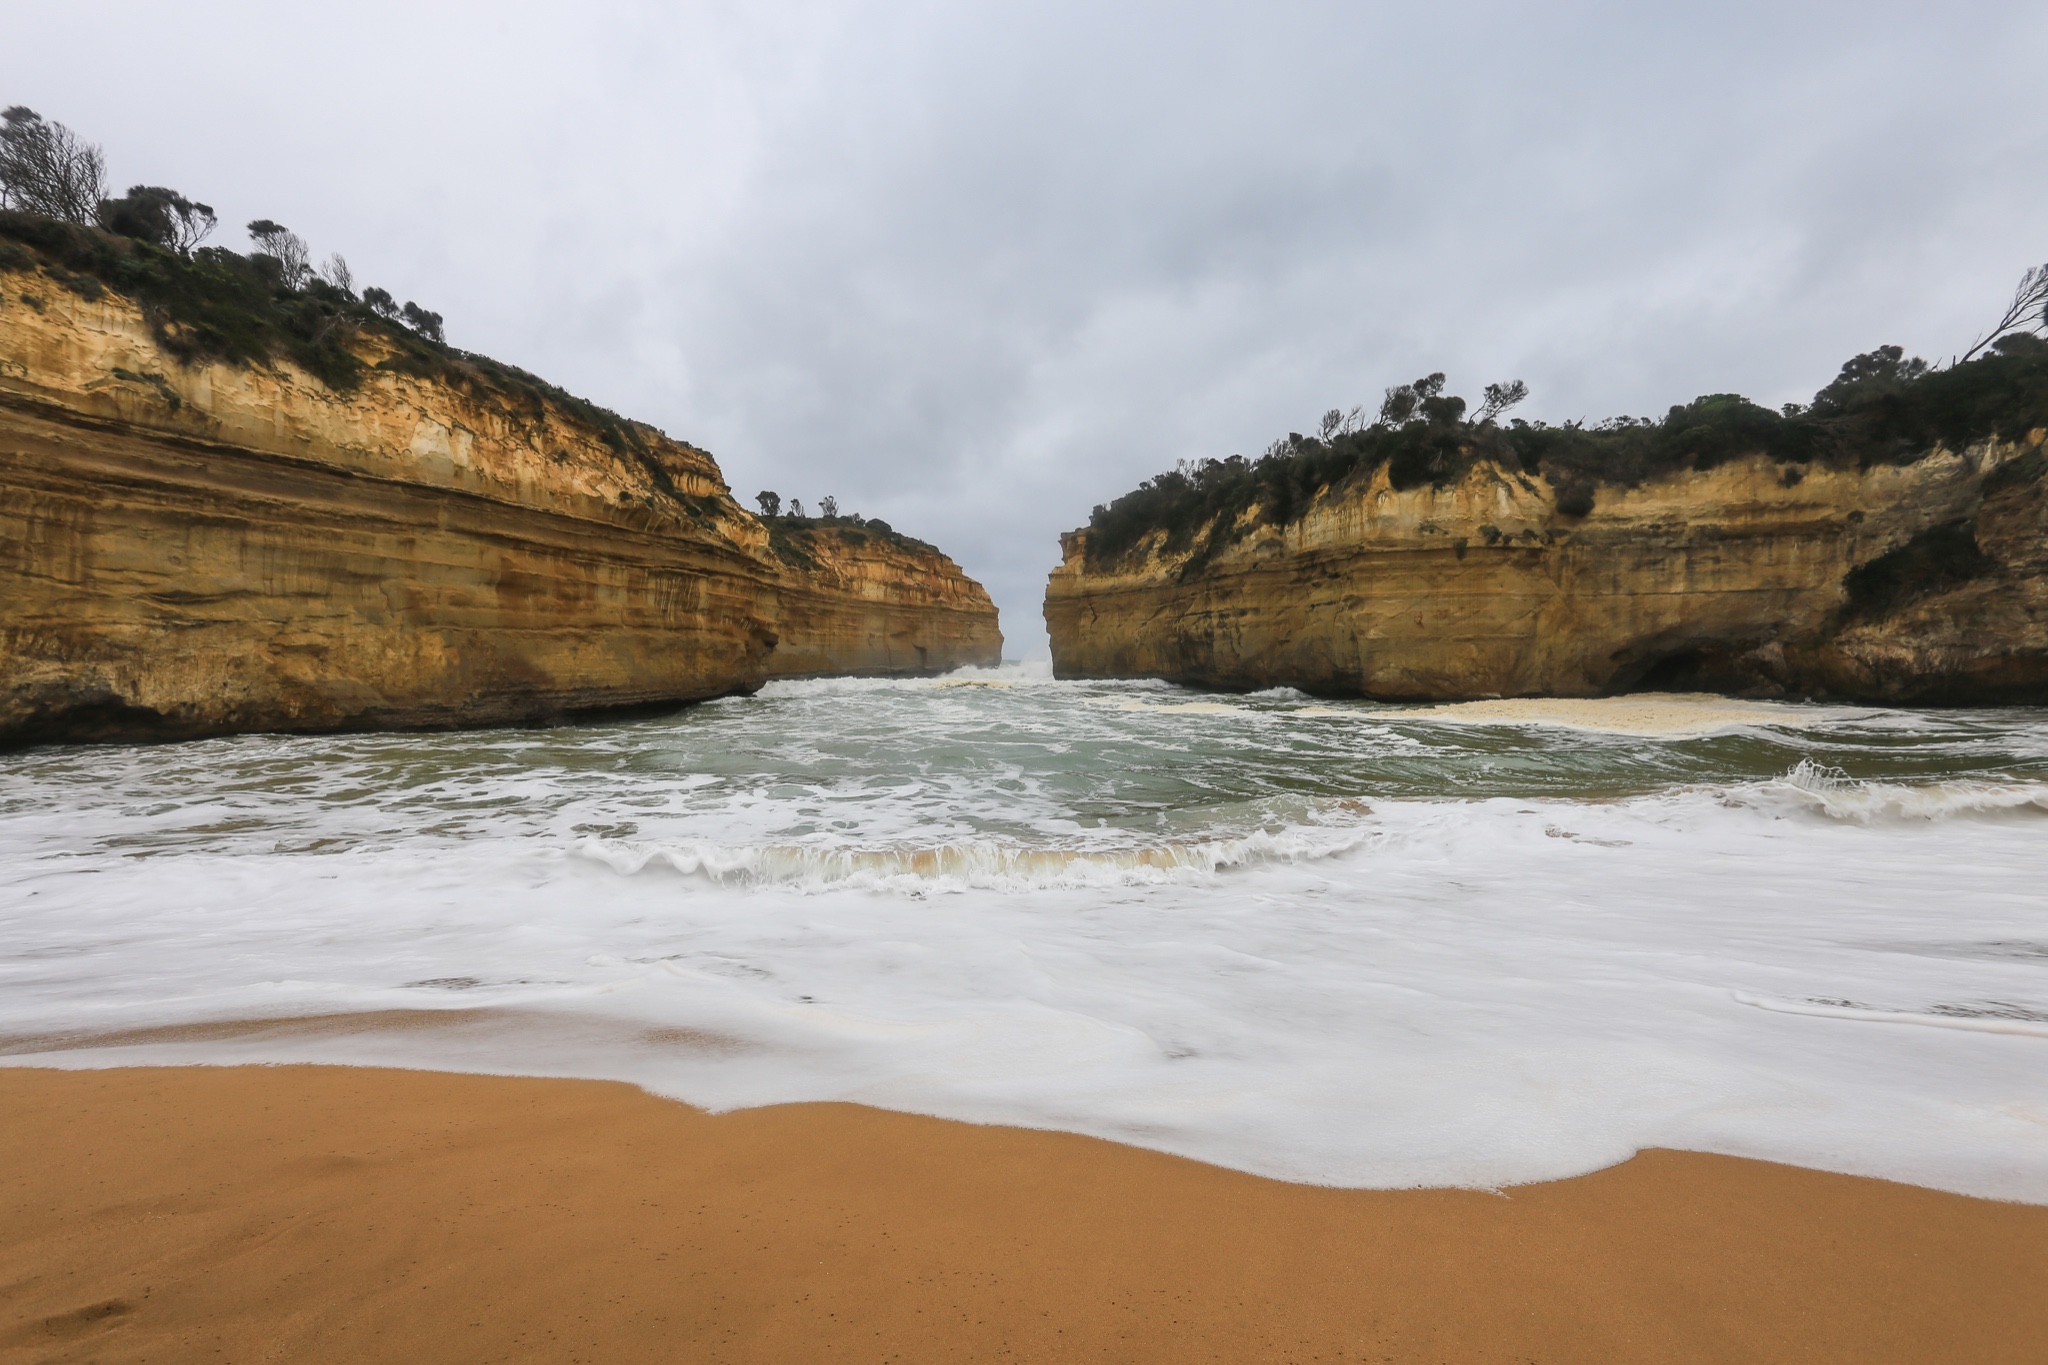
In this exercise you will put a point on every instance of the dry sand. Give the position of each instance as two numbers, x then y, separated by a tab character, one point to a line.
314	1214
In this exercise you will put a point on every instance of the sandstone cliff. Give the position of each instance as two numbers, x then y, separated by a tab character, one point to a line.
867	603
197	548
1915	582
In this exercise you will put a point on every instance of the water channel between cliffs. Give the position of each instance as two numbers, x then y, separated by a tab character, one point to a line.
1335	942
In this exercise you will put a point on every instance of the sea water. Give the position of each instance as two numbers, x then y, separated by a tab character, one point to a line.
1336	942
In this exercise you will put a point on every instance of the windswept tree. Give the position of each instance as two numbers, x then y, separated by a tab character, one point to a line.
1499	398
771	502
46	168
1398	406
427	324
1337	422
159	215
1407	403
828	506
1886	369
380	302
796	507
2028	312
283	249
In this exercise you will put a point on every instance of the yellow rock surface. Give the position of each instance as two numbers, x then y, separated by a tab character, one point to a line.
204	549
1739	579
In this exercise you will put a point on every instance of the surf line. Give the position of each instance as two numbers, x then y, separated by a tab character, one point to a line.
1974	1023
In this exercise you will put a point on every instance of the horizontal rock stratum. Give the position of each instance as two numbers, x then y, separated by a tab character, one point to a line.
1920	582
202	548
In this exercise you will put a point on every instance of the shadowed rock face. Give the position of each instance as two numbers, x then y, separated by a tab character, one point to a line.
1920	583
188	551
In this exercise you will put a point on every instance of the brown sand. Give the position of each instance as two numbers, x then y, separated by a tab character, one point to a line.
329	1214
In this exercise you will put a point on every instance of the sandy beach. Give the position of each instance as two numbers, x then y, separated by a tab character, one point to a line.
348	1214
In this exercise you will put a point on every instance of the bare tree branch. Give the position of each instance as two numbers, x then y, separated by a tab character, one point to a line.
2028	311
46	168
337	273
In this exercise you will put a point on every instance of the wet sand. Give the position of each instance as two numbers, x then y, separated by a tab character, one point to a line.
336	1214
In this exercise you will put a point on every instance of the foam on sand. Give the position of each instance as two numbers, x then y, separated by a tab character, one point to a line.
1664	714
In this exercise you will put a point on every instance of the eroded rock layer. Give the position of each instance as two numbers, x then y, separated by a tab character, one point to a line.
1923	582
205	549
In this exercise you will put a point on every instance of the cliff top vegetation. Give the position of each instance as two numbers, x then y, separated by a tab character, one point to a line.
213	304
1882	408
208	303
790	531
794	537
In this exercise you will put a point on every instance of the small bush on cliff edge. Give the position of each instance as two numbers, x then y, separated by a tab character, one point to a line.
1883	408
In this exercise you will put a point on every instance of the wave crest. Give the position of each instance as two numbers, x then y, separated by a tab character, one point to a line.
1829	791
977	864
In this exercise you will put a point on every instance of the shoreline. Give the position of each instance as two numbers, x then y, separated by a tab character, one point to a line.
339	1213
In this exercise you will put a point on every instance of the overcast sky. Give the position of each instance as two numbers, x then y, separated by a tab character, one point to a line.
977	267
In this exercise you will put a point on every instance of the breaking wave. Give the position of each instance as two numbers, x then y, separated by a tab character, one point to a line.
981	864
1816	787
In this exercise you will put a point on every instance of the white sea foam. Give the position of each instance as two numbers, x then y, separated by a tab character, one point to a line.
1191	708
1334	953
1815	786
1982	1017
1033	673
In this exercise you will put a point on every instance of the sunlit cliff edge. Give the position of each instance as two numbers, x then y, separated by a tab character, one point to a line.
207	547
1922	582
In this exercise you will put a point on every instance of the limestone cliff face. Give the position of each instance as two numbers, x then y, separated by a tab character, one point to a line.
196	550
869	604
1925	582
